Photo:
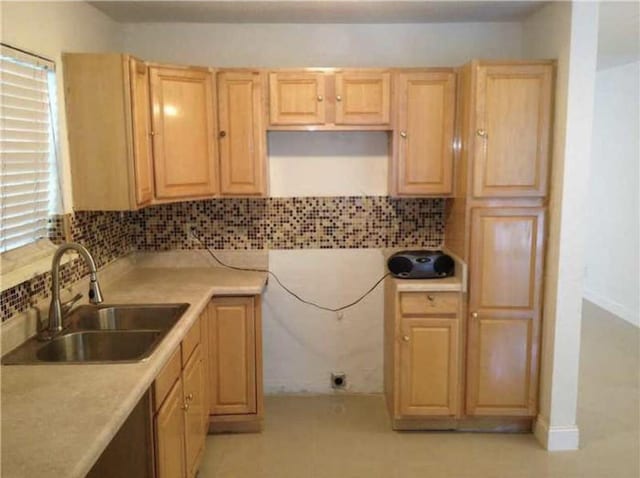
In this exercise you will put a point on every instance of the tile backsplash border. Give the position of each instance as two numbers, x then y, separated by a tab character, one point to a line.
238	224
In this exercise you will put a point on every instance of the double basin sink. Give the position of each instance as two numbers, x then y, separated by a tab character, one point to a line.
103	334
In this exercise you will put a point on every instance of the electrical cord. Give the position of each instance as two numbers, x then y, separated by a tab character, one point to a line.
277	279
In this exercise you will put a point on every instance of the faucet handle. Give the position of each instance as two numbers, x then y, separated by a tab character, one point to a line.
66	306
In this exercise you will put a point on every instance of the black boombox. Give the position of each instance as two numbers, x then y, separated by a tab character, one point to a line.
420	264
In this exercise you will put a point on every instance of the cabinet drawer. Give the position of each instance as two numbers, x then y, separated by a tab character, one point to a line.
420	303
166	378
190	341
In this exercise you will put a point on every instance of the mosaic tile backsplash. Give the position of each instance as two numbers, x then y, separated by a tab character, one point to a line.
293	223
108	235
234	223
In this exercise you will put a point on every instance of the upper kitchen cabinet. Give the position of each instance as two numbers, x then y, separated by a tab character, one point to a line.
109	133
242	135
422	162
184	143
512	116
330	100
363	97
297	98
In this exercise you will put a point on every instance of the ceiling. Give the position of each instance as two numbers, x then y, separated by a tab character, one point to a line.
317	11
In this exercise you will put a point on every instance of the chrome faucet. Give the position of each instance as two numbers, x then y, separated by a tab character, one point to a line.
57	310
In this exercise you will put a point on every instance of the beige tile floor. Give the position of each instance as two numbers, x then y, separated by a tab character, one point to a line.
348	436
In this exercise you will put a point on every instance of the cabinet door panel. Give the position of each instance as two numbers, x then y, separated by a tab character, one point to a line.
429	367
170	438
232	349
194	398
363	98
513	123
505	305
242	134
183	128
296	98
141	116
424	134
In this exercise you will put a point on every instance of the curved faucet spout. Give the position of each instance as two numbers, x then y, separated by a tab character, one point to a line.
95	294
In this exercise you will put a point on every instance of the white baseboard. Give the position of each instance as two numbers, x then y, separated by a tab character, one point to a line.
559	438
625	313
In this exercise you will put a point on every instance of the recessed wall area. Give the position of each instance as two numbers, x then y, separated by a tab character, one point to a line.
328	163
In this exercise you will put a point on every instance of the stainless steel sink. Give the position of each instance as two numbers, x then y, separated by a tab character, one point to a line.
100	346
103	334
126	317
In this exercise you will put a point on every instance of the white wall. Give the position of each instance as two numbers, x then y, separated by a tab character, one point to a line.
328	163
568	32
613	239
49	29
301	345
290	45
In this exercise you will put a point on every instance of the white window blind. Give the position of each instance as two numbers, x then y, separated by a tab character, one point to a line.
28	179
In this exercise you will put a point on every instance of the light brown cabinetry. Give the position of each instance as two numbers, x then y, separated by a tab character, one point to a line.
297	98
141	130
330	99
180	400
235	358
422	162
108	122
170	436
513	108
429	366
422	355
496	223
242	135
504	302
363	97
184	143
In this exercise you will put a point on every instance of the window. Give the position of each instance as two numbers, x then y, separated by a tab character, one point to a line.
29	191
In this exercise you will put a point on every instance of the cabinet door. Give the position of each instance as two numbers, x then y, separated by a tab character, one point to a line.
429	366
232	356
242	134
513	123
183	132
296	98
363	98
424	133
141	130
506	267
170	438
194	397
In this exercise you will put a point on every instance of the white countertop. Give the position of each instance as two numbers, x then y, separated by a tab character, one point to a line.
57	419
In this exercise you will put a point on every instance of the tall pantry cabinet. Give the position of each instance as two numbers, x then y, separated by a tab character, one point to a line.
496	222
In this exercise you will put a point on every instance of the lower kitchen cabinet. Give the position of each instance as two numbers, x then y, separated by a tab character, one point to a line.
429	366
235	364
422	354
505	305
169	426
180	404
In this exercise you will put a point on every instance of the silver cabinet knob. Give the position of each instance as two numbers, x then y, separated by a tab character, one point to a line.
482	133
190	397
185	407
403	134
320	98
474	315
405	338
338	98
